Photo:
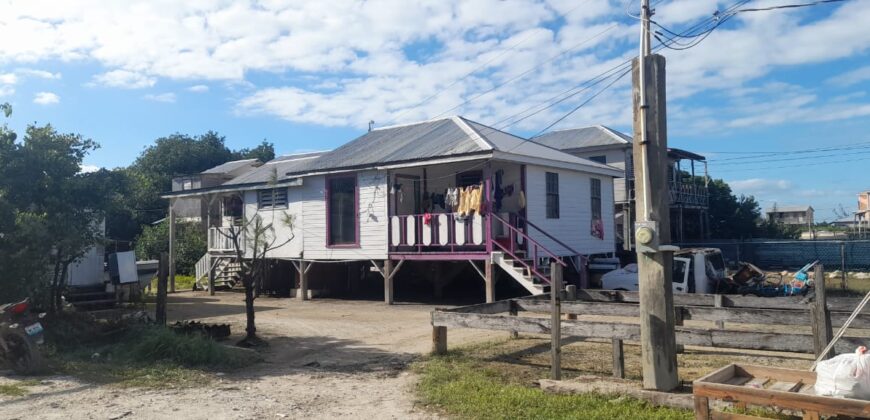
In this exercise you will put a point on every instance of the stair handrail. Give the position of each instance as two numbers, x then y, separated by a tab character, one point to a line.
551	254
578	265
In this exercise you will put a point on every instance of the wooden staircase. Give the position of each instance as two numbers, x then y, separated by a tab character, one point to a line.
521	271
227	272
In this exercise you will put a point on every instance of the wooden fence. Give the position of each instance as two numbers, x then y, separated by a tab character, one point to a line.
523	315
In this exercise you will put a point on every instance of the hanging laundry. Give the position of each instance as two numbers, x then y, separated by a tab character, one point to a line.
474	198
464	201
427	218
522	199
451	198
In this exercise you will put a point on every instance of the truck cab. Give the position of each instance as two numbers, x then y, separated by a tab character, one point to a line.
695	270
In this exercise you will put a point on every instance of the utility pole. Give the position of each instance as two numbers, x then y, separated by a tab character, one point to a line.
652	230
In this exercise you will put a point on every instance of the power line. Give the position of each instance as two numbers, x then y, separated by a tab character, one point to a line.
476	69
789	6
855	146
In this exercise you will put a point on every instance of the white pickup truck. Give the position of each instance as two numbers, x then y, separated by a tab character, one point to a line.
696	270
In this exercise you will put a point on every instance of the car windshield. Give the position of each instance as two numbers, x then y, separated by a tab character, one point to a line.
716	261
679	271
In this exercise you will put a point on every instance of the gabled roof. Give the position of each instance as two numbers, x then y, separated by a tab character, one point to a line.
445	138
232	166
576	138
275	169
788	209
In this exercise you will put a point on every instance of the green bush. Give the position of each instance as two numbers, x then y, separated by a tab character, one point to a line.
190	240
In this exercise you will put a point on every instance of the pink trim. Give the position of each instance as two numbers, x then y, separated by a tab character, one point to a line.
356	243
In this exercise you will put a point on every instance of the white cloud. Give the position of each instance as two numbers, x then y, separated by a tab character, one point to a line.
198	89
8	78
42	74
89	168
850	78
167	97
125	79
46	98
344	63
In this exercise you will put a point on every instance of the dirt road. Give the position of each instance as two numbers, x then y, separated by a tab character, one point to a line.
326	359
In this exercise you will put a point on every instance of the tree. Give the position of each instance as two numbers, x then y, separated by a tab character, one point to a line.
264	152
190	242
52	213
731	216
252	240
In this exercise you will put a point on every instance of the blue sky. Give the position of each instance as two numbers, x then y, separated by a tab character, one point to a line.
757	96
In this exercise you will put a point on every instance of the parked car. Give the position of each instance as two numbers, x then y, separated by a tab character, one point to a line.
695	270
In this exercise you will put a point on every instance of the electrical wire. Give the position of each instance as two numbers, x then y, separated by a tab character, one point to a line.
789	6
855	146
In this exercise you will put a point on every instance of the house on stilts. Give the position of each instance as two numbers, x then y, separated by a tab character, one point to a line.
437	196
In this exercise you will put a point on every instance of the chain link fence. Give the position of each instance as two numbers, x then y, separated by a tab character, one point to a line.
842	255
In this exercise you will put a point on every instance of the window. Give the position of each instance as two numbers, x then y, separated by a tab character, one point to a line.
341	211
552	195
272	199
233	208
599	159
595	202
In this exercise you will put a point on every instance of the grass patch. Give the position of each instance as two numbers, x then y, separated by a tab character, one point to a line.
498	379
133	354
182	283
17	389
465	386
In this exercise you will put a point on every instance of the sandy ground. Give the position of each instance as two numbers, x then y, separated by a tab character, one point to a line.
326	359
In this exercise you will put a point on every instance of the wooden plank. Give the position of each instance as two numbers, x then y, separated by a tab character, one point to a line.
781	374
821	317
757	382
783	400
702	408
739	380
497	307
785	386
722	415
719	375
809	389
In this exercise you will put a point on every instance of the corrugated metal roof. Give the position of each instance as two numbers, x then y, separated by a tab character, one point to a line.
425	140
276	169
575	138
784	209
509	143
230	166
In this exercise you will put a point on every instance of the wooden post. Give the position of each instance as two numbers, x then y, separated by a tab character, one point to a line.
571	294
843	265
302	293
211	275
490	281
678	320
822	331
172	245
162	274
718	302
658	341
513	312
618	359
388	282
702	408
556	321
439	340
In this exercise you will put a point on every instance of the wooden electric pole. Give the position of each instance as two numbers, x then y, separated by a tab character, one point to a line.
650	149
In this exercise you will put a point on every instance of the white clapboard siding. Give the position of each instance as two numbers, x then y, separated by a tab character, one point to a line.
372	218
283	232
573	227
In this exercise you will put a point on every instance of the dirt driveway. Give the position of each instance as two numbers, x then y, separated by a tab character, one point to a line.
326	359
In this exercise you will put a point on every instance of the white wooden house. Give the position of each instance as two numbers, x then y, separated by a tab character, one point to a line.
383	199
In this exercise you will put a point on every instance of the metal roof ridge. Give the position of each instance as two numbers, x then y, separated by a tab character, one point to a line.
387	127
474	134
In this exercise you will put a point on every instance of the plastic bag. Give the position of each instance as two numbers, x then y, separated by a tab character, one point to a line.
846	376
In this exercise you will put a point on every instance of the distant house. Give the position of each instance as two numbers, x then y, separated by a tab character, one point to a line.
439	195
687	188
791	215
196	210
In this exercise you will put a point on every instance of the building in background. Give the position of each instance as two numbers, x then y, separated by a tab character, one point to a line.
862	216
791	215
687	184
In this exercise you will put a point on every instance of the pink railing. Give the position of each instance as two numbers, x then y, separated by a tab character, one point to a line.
437	232
532	247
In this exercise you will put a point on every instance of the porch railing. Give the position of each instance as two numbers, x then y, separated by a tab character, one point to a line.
418	232
534	248
579	260
221	239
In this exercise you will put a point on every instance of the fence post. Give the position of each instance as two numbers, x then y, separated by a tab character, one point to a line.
571	294
556	321
513	312
618	359
162	280
843	265
718	303
822	331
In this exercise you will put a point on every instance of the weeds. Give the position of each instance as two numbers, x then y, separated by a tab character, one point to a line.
127	353
17	389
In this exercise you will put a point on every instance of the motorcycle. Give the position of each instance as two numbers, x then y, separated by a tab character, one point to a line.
20	335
